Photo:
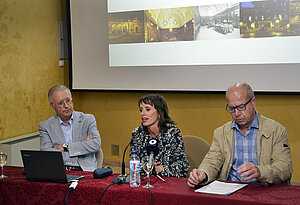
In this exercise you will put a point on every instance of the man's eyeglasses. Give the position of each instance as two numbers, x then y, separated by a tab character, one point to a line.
241	107
67	101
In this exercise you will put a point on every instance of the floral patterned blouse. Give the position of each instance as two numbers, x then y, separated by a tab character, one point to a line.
171	150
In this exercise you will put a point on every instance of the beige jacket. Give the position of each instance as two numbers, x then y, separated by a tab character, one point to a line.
273	153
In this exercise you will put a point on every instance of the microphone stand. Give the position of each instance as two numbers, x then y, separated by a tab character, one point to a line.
158	175
123	178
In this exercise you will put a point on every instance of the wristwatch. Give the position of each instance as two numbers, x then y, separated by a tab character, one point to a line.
66	147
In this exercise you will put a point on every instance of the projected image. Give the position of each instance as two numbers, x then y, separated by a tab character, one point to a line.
294	9
126	27
264	19
175	24
217	21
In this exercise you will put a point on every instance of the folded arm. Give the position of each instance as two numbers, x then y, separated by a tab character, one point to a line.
90	143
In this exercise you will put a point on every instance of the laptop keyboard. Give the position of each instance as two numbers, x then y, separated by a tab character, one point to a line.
72	177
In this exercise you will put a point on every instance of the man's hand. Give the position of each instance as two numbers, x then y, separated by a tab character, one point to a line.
89	137
58	147
196	177
249	171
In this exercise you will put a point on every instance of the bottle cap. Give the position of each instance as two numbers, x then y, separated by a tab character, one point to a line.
133	152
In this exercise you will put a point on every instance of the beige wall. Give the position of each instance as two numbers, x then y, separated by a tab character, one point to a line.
196	114
28	63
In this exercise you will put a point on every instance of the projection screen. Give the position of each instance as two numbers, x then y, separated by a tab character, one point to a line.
177	45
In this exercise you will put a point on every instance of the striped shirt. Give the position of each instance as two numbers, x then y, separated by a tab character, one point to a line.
67	130
245	149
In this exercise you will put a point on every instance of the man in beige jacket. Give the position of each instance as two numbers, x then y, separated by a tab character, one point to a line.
251	148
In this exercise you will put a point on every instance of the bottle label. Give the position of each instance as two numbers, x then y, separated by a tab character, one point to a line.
134	166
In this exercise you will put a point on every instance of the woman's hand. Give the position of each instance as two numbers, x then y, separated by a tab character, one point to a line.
158	168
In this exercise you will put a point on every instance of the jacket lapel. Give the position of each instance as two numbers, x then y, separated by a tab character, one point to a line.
230	140
263	132
57	130
76	126
228	150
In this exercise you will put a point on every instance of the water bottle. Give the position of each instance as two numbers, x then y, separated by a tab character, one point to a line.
134	165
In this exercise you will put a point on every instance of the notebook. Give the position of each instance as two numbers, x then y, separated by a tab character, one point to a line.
46	166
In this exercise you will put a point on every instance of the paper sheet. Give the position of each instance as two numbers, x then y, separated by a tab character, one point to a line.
222	188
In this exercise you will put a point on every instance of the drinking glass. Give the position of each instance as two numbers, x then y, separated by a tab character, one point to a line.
3	160
147	168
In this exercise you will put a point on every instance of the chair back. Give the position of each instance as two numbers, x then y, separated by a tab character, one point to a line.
195	149
100	158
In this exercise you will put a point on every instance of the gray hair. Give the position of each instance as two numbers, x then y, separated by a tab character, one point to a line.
56	88
247	87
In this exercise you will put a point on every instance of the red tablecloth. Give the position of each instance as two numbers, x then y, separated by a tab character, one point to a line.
17	190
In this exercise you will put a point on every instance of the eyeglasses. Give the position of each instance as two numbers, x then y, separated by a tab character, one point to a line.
241	107
67	101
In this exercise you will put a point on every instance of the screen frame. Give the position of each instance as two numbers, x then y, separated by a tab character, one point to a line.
204	91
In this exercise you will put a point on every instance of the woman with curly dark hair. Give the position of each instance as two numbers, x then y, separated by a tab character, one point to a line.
171	160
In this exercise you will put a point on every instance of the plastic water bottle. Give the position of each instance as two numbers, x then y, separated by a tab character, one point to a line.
134	165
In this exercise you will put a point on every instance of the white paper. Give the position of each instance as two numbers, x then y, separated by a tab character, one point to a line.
222	188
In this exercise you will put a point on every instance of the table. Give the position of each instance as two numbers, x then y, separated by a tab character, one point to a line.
17	190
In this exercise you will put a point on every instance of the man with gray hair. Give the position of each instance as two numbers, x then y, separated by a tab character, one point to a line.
73	133
251	148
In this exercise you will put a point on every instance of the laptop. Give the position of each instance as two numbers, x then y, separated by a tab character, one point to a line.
46	166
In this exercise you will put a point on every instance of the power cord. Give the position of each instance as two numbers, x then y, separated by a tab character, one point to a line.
119	181
72	187
115	181
150	196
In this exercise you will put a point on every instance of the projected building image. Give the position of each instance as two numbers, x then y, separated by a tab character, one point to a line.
294	8
217	21
265	19
126	27
174	24
257	19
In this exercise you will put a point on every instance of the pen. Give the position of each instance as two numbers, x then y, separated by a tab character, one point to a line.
161	178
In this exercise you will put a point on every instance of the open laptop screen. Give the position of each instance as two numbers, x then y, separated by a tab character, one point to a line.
45	166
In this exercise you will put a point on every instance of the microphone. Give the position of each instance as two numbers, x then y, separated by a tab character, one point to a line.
152	151
122	178
102	172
